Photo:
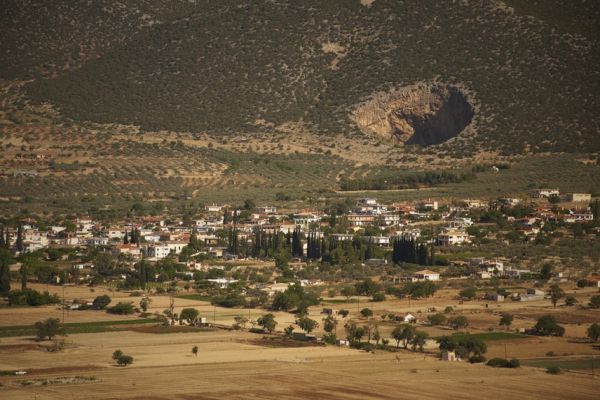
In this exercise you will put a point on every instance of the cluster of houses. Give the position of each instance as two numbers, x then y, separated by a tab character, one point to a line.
155	239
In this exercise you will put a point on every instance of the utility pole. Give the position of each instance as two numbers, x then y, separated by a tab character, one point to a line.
63	303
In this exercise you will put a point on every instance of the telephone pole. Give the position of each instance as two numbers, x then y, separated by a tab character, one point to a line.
63	303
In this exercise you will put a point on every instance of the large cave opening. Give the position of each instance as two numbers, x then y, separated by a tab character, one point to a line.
424	114
444	122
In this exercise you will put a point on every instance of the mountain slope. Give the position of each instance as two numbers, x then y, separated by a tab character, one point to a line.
224	66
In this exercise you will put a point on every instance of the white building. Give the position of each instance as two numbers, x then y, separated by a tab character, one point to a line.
453	237
266	210
97	241
164	249
579	197
389	219
426	275
222	282
214	208
370	206
538	193
408	234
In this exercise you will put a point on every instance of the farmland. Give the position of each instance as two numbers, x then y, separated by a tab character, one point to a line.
238	364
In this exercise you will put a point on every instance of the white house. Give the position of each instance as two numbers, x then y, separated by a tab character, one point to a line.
266	210
538	193
579	197
214	208
370	206
97	241
453	237
426	275
222	282
162	250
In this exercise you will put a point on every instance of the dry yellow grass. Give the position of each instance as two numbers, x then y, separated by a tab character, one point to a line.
239	365
228	367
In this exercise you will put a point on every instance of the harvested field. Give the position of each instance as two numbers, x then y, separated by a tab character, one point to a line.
164	368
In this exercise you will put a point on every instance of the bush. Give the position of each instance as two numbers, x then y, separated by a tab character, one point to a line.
595	301
124	360
468	293
477	358
554	370
437	319
547	326
121	308
460	321
230	300
31	297
503	363
379	297
101	302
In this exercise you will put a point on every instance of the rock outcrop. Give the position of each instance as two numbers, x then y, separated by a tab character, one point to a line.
424	114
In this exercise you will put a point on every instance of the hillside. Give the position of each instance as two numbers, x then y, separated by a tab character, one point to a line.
229	67
103	105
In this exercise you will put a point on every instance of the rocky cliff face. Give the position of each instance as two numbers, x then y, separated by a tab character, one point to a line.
424	114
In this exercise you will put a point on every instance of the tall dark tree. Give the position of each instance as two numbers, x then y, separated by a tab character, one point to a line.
432	255
233	241
143	274
5	261
126	238
225	217
296	244
194	242
595	207
19	243
24	275
407	250
2	242
369	251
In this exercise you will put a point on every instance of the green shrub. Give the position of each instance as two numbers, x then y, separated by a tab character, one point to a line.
477	359
503	363
31	297
122	308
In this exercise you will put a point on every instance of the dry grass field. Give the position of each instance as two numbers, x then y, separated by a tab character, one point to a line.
242	365
233	365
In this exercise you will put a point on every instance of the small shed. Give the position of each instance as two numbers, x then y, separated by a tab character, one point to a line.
449	356
410	318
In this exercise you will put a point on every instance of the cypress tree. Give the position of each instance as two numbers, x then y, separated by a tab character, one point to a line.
20	238
194	241
2	242
225	217
125	238
143	277
5	261
24	276
422	254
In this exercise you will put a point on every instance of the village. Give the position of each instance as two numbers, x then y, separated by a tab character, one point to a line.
470	282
